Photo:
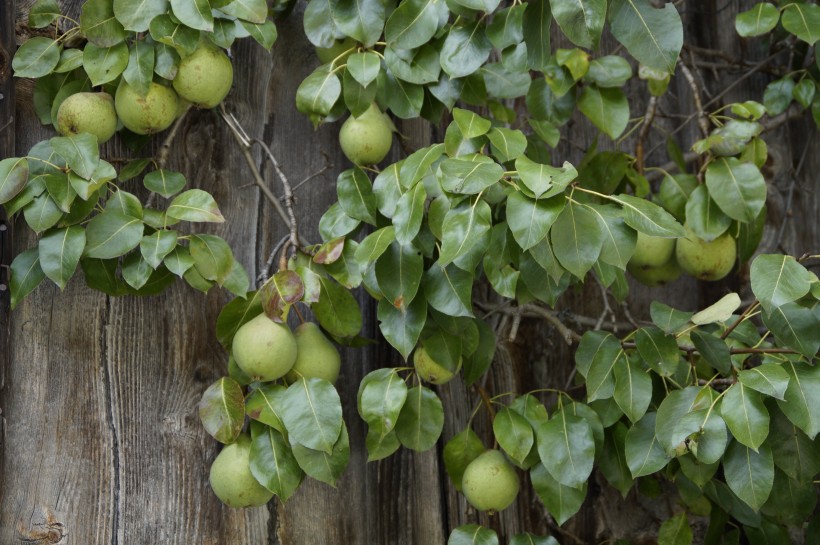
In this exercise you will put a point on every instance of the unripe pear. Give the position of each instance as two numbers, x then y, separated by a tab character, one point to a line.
490	483
205	76
366	139
264	349
706	260
147	114
656	276
231	478
430	370
652	251
88	112
316	357
328	54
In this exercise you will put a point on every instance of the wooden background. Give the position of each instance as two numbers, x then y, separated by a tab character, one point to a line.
100	441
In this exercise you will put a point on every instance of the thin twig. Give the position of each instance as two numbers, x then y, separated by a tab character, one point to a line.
740	318
309	177
648	117
165	150
703	122
265	273
792	185
294	234
607	309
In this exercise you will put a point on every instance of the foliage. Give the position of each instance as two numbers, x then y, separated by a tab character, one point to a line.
721	402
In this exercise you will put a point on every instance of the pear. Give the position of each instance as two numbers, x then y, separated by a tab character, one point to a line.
656	276
231	478
366	139
263	349
328	54
706	260
652	251
88	112
205	76
430	370
490	483
316	357
147	114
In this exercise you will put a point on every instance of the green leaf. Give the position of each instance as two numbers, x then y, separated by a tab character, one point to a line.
374	245
13	177
673	424
380	445
36	58
507	26
537	34
136	15
470	124
675	531
404	99
168	183
576	239
644	454
619	240
465	49
233	315
674	193
318	92
561	501
60	252
413	23
358	99
714	351
582	21
194	205
513	433
264	404
802	405
613	466
658	350
272	462
254	11
530	219
179	261
749	474
507	144
398	272
769	379
449	290
337	310
472	534
469	175
802	20
459	451
105	64
566	448
544	180
42	213
140	70
167	30
356	196
335	223
402	327
421	419
633	389
382	394
99	25
43	13
477	364
312	414
594	347
80	151
609	71
778	279
362	20
762	18
112	234
704	217
737	188
415	167
718	312
409	214
794	453
648	218
464	226
746	415
26	274
364	67
265	34
222	410
213	258
420	66
796	327
653	36
324	466
670	320
157	245
194	13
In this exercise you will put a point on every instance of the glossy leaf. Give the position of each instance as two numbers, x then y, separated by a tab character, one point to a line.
472	534
749	474
633	389
36	57
459	451
803	21
576	239
746	415
762	18
213	258
463	227
513	433
112	234
801	405
465	49
561	501
644	454
222	410
737	188
60	252
537	21
356	196
382	394
168	183
778	279
566	448
795	326
26	274
324	466
413	23
448	289
272	462
264	404
312	414
421	419
337	310
653	36
648	218
769	379
607	108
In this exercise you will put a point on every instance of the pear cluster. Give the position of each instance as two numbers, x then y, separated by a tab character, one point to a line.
266	350
203	80
658	261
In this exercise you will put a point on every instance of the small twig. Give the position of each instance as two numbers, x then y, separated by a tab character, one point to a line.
648	117
165	150
703	122
294	234
717	382
740	318
245	144
781	230
486	400
309	177
607	309
516	322
265	273
628	315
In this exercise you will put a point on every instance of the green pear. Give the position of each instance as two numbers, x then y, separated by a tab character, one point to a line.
430	370
88	112
327	54
231	478
316	357
147	114
490	482
652	251
366	139
656	276
205	76
706	260
263	349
